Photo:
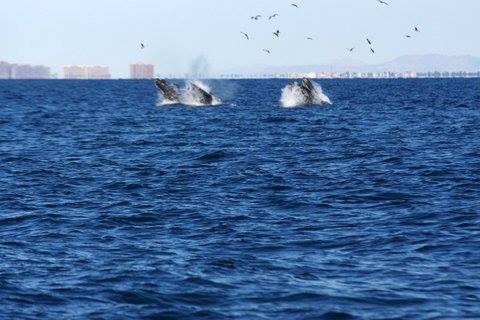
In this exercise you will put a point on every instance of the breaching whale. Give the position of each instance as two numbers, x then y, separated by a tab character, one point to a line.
191	94
308	91
305	93
200	94
168	90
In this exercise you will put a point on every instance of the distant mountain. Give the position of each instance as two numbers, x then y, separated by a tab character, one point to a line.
418	63
431	62
336	66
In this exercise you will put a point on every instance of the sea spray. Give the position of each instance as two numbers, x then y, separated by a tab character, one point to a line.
199	68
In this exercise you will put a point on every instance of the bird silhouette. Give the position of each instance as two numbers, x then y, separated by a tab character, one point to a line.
295	5
309	38
277	33
371	49
383	2
256	17
273	16
417	30
142	46
350	49
408	36
369	42
246	35
267	51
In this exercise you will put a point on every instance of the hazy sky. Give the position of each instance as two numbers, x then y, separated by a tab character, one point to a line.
108	32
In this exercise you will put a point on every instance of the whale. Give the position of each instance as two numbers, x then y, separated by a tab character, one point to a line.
308	91
200	94
303	93
191	94
169	91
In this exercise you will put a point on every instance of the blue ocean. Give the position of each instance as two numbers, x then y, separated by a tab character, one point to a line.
113	206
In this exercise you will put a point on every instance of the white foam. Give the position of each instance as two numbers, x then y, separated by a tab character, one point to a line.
165	102
292	96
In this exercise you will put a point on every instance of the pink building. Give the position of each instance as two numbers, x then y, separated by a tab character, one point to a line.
86	72
142	71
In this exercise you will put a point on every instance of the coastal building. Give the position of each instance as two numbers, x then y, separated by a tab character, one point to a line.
356	75
73	72
5	70
30	72
142	71
98	72
23	71
86	72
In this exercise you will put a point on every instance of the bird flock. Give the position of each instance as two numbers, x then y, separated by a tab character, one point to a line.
277	32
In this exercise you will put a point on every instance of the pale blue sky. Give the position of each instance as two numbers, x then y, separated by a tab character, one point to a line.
61	32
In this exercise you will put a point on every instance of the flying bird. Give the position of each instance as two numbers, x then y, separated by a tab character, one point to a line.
277	33
417	30
267	51
371	49
309	38
350	49
273	16
295	5
408	36
142	46
256	17
369	42
383	2
246	35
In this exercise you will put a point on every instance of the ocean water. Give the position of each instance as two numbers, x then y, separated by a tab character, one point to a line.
112	207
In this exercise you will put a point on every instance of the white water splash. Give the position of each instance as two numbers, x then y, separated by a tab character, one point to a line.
292	96
165	102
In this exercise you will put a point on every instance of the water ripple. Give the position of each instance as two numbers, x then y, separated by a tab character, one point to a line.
114	208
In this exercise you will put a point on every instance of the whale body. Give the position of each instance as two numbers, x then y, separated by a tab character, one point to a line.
191	94
202	95
168	90
308	90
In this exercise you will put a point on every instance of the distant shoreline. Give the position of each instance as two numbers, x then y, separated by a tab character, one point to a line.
247	78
